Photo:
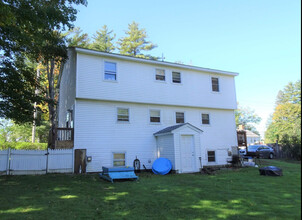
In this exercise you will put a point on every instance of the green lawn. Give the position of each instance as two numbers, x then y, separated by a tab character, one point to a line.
230	194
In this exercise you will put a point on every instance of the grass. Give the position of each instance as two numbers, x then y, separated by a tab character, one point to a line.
230	194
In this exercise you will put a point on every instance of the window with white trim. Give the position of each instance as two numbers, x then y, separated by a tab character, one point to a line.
119	159
122	114
176	77
110	71
160	75
180	117
215	84
155	116
205	118
211	156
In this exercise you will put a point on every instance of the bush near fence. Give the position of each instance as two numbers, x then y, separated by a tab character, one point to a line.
287	150
23	146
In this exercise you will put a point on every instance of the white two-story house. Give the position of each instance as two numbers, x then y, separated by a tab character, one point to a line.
122	108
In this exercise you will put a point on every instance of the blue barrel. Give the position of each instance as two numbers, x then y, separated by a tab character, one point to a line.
161	166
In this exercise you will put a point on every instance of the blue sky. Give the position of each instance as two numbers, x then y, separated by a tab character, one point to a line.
259	39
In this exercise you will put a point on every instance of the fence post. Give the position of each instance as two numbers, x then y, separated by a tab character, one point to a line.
72	160
8	162
47	153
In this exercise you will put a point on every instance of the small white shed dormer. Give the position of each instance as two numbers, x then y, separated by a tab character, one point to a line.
181	145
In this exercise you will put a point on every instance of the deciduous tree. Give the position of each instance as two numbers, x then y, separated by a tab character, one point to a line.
247	117
285	126
31	29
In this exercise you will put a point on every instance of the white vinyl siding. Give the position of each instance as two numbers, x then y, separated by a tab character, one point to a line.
165	147
196	93
67	91
97	130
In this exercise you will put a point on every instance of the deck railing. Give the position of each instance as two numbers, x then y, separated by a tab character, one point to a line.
64	134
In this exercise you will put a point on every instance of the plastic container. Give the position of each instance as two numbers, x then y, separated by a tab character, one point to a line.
161	166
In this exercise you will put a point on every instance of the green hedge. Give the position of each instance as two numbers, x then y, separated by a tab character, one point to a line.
23	146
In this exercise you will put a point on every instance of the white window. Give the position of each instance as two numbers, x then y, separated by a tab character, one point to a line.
215	84
205	118
180	117
110	71
119	159
211	156
176	77
160	75
122	114
155	116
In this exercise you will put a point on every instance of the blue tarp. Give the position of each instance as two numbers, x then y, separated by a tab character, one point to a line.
161	166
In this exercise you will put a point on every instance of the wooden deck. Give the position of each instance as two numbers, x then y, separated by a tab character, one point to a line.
64	138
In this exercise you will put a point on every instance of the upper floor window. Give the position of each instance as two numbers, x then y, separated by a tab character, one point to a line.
155	116
215	84
160	75
110	71
122	114
176	77
205	119
180	117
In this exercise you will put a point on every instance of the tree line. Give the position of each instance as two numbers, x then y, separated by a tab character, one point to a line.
134	43
284	125
34	36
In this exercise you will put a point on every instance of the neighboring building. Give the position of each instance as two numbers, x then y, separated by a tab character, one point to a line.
123	107
252	138
246	137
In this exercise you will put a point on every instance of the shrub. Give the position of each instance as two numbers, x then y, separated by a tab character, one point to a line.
291	146
23	146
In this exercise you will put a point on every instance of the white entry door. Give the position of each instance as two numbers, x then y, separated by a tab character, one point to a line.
187	153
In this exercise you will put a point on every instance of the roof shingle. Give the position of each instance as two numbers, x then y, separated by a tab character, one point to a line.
172	128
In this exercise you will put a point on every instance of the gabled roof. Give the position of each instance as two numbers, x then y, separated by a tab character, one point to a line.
248	133
251	134
169	130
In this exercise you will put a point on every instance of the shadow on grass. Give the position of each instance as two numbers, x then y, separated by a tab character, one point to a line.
238	194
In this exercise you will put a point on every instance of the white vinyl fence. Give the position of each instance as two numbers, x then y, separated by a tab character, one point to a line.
4	159
22	162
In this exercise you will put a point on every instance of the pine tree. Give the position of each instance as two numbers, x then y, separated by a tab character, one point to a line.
135	42
75	38
103	41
